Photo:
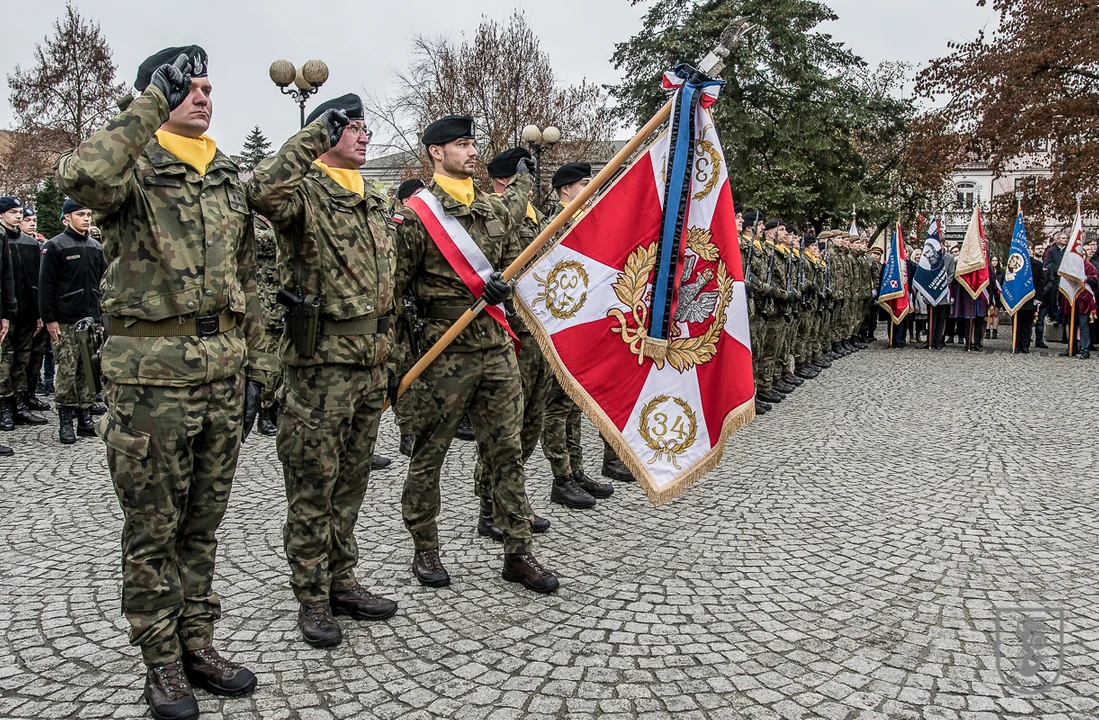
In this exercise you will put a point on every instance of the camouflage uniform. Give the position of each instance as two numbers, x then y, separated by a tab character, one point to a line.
179	247
803	264
72	383
774	332
755	273
533	367
336	245
478	372
267	285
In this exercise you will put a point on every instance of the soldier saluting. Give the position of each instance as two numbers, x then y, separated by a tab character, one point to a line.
183	361
453	239
338	261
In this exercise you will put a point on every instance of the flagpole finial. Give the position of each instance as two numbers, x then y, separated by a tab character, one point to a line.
1079	197
1019	199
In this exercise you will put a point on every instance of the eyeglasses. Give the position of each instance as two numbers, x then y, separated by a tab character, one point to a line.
360	130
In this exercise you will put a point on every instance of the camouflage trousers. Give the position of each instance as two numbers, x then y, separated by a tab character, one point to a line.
326	437
537	378
274	379
7	361
172	453
803	340
72	389
27	350
774	331
399	363
789	343
755	328
487	385
561	432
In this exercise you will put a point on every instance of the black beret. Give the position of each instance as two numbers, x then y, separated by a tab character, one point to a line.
350	103
9	202
570	173
71	206
28	211
772	224
751	217
405	189
738	208
504	164
447	129
194	53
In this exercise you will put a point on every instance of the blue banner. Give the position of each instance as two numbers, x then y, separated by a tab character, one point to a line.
936	269
1018	275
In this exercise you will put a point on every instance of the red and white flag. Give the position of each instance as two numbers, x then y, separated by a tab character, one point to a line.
666	404
1073	279
972	270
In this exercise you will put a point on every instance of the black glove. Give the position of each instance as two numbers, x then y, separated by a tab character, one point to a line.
174	81
496	290
525	166
335	120
392	386
253	389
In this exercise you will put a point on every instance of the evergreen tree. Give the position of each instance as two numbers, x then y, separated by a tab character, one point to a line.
808	129
47	207
256	148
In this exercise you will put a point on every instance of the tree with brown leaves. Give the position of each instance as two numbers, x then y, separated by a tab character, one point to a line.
504	80
1034	82
68	94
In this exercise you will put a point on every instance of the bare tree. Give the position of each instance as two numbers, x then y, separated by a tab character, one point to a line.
68	94
505	81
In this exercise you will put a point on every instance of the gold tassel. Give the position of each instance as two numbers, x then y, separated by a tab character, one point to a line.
655	349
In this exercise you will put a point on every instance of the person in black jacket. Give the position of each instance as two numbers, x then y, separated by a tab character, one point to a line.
68	291
26	340
10	208
1041	281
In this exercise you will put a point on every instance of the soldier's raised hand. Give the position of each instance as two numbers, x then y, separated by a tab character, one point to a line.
335	120
174	80
525	166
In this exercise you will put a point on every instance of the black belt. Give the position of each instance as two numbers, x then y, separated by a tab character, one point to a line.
443	312
357	326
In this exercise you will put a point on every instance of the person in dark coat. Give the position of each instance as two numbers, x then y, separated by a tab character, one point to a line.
1052	262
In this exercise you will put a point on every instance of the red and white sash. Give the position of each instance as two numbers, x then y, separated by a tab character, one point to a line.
459	249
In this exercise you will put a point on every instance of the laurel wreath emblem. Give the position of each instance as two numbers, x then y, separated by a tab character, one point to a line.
555	296
661	446
707	165
631	287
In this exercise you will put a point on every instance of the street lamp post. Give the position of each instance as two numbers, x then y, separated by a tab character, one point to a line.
539	140
307	80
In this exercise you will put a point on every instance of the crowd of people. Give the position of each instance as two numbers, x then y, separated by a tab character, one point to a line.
300	297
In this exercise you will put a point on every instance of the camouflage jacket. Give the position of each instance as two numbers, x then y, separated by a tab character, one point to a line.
332	243
523	236
425	274
756	272
267	274
177	244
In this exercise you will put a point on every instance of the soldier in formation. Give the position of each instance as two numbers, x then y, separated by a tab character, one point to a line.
184	361
69	292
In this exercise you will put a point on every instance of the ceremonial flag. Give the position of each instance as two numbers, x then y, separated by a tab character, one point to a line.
1018	274
1073	277
972	270
641	308
935	271
854	230
894	278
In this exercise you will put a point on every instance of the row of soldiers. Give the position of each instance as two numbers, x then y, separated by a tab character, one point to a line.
811	300
47	289
186	361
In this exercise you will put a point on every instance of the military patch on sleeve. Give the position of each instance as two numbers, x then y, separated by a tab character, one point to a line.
73	257
397	219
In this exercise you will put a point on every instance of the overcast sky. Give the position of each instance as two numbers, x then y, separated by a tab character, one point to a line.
363	40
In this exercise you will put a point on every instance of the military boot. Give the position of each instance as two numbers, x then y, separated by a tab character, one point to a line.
465	429
266	423
858	344
539	524
65	433
7	413
85	426
566	492
428	568
762	407
33	403
769	396
22	414
359	603
169	694
98	409
524	568
407	442
487	527
792	379
806	372
594	488
824	363
782	387
317	625
616	470
206	669
380	462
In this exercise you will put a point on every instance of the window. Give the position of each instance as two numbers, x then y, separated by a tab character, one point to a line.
967	195
1042	146
1026	184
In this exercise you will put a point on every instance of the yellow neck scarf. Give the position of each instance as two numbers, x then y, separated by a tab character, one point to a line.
530	210
460	190
196	152
348	179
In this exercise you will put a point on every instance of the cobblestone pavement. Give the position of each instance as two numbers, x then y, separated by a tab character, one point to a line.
827	569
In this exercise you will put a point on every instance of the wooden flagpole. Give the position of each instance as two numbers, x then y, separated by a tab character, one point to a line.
1072	328
712	64
1014	332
